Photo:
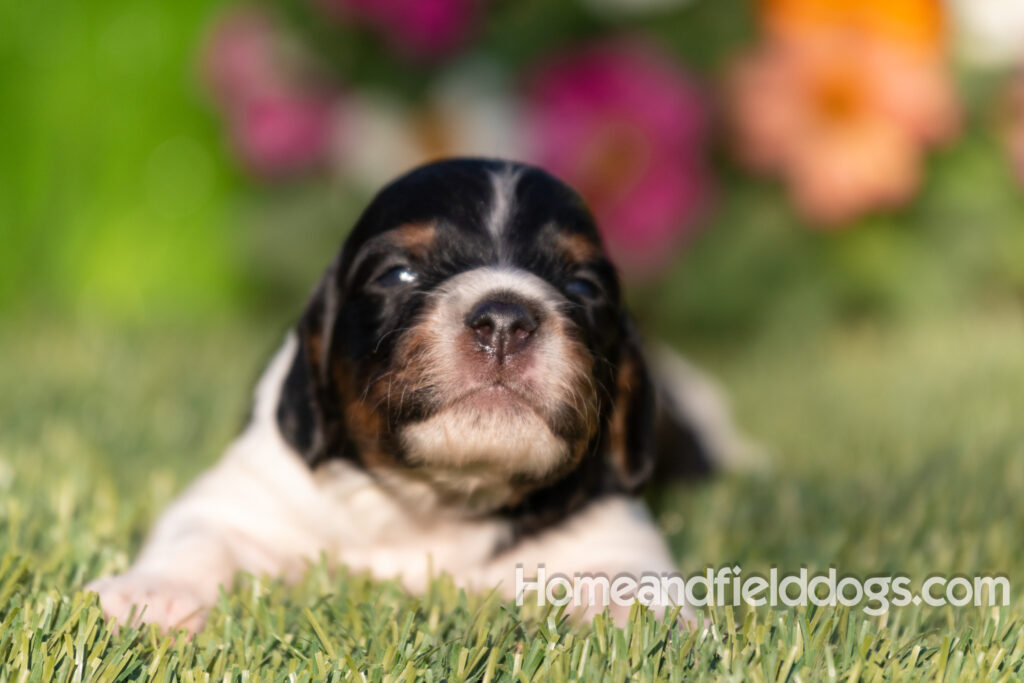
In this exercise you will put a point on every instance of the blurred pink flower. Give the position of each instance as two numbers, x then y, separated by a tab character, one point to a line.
240	59
844	118
624	126
282	135
417	28
280	113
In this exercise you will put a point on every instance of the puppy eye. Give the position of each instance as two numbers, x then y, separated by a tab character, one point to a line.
399	275
582	288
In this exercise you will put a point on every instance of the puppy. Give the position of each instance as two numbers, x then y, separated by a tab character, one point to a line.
463	394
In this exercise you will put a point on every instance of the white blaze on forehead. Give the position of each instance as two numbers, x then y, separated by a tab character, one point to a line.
503	184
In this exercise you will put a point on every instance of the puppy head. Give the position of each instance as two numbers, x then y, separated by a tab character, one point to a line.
472	324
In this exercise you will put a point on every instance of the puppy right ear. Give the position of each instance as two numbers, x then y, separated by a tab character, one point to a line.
308	413
630	439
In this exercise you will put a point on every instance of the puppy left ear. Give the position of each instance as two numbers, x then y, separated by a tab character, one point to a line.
630	444
308	413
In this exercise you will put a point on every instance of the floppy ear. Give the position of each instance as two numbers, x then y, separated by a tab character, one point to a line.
630	443
308	412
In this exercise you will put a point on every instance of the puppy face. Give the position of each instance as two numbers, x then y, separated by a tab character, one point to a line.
472	324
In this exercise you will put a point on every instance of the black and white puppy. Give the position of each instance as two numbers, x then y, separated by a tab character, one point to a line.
463	393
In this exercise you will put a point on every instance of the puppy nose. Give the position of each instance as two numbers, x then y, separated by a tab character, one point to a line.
503	328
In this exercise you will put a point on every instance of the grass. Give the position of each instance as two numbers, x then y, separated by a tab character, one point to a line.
895	448
895	445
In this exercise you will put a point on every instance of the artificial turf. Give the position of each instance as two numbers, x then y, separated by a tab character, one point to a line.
892	448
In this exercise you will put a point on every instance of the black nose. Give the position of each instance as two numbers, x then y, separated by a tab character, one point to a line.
502	327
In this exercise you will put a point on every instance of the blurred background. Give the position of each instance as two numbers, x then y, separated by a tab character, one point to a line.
782	163
809	197
822	201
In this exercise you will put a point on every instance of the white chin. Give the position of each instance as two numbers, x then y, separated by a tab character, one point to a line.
513	440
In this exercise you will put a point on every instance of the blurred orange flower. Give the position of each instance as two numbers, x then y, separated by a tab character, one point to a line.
916	24
841	113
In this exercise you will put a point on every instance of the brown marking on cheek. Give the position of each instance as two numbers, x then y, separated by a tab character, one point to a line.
372	408
364	427
415	238
412	362
367	429
578	247
312	339
627	382
586	397
617	427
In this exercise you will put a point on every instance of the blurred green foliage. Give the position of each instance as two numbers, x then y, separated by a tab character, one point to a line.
758	269
119	199
114	194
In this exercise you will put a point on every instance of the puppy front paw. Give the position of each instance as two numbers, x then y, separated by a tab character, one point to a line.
157	600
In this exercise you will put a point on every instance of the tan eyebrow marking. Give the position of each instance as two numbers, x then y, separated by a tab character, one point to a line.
416	238
579	248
